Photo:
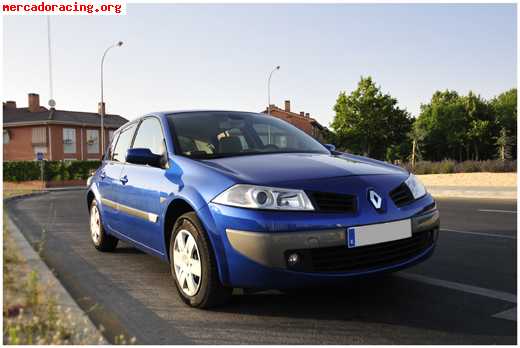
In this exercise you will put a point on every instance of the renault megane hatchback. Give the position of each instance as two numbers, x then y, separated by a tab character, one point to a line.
244	200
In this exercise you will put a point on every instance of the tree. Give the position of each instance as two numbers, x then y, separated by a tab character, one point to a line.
480	126
456	127
370	122
504	109
440	128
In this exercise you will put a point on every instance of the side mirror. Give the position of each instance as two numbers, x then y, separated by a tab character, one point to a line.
330	147
143	156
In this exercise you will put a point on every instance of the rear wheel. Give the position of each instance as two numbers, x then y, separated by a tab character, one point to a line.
193	265
101	240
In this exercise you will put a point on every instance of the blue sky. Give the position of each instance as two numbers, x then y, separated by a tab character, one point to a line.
179	56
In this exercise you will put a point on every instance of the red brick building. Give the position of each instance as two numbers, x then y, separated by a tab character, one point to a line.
58	134
301	120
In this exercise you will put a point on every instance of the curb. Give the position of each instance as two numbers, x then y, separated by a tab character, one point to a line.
47	277
67	188
471	193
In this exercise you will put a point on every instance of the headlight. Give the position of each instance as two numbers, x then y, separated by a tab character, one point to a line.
415	186
261	197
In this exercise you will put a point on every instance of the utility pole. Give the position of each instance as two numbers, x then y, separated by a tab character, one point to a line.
269	90
102	105
414	146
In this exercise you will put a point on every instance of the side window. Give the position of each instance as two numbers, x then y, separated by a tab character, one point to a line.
150	136
123	144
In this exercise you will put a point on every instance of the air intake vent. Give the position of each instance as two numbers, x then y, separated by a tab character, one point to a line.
343	259
333	202
401	195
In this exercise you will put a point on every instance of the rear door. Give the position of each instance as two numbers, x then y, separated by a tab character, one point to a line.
145	189
109	172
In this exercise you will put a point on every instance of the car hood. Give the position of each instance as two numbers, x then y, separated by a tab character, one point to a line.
287	167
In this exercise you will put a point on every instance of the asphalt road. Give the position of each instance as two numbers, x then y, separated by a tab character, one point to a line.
464	294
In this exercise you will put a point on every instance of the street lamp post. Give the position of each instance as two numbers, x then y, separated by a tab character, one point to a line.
269	90
102	106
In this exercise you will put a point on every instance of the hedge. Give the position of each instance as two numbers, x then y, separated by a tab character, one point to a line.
450	166
16	171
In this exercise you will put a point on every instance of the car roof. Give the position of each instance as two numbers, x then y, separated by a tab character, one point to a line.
173	112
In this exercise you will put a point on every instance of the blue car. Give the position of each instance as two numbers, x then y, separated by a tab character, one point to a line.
244	200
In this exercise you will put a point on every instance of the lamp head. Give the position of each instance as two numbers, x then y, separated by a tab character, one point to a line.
120	43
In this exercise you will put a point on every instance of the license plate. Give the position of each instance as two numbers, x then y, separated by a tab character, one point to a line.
378	233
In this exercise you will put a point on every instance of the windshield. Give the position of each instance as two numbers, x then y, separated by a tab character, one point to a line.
215	134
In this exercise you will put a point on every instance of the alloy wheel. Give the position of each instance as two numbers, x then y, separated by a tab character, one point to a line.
95	225
186	261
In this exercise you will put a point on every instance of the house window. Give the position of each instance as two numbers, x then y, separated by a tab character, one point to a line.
39	136
92	141
69	140
7	137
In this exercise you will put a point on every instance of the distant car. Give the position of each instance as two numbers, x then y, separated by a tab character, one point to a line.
243	200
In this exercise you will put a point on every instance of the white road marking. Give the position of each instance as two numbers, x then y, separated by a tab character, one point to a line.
480	233
497	211
509	314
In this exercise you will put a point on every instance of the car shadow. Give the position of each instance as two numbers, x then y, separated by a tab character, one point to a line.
386	299
127	250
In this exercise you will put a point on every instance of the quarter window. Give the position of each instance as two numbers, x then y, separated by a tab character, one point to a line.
150	136
92	141
123	144
69	140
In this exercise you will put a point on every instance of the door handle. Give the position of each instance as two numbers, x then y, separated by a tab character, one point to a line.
124	179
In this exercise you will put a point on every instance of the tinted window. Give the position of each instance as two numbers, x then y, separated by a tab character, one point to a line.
123	144
221	134
150	136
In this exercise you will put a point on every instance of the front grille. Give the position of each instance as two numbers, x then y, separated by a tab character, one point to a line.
334	202
401	195
343	259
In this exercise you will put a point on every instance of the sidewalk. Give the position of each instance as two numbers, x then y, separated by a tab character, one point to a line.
473	191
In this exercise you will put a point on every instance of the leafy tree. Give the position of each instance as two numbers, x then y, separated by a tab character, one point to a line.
368	121
440	128
480	126
504	109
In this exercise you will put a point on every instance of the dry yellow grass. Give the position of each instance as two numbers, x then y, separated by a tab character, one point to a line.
470	179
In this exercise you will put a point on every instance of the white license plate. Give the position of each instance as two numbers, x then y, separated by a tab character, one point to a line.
378	233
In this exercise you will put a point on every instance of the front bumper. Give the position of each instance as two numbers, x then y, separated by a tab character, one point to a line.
258	259
271	249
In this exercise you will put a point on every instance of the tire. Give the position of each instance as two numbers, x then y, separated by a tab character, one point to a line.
100	238
193	265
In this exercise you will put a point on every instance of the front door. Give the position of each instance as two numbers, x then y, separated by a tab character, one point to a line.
143	191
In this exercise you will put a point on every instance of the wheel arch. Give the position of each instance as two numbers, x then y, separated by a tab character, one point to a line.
175	209
90	197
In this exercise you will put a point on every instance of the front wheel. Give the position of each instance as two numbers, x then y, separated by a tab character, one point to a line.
101	240
193	265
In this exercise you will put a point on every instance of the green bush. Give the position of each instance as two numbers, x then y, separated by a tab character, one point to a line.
450	166
52	170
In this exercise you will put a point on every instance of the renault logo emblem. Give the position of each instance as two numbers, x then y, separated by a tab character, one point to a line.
375	199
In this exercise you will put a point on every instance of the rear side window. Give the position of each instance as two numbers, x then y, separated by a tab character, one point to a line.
123	144
150	136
